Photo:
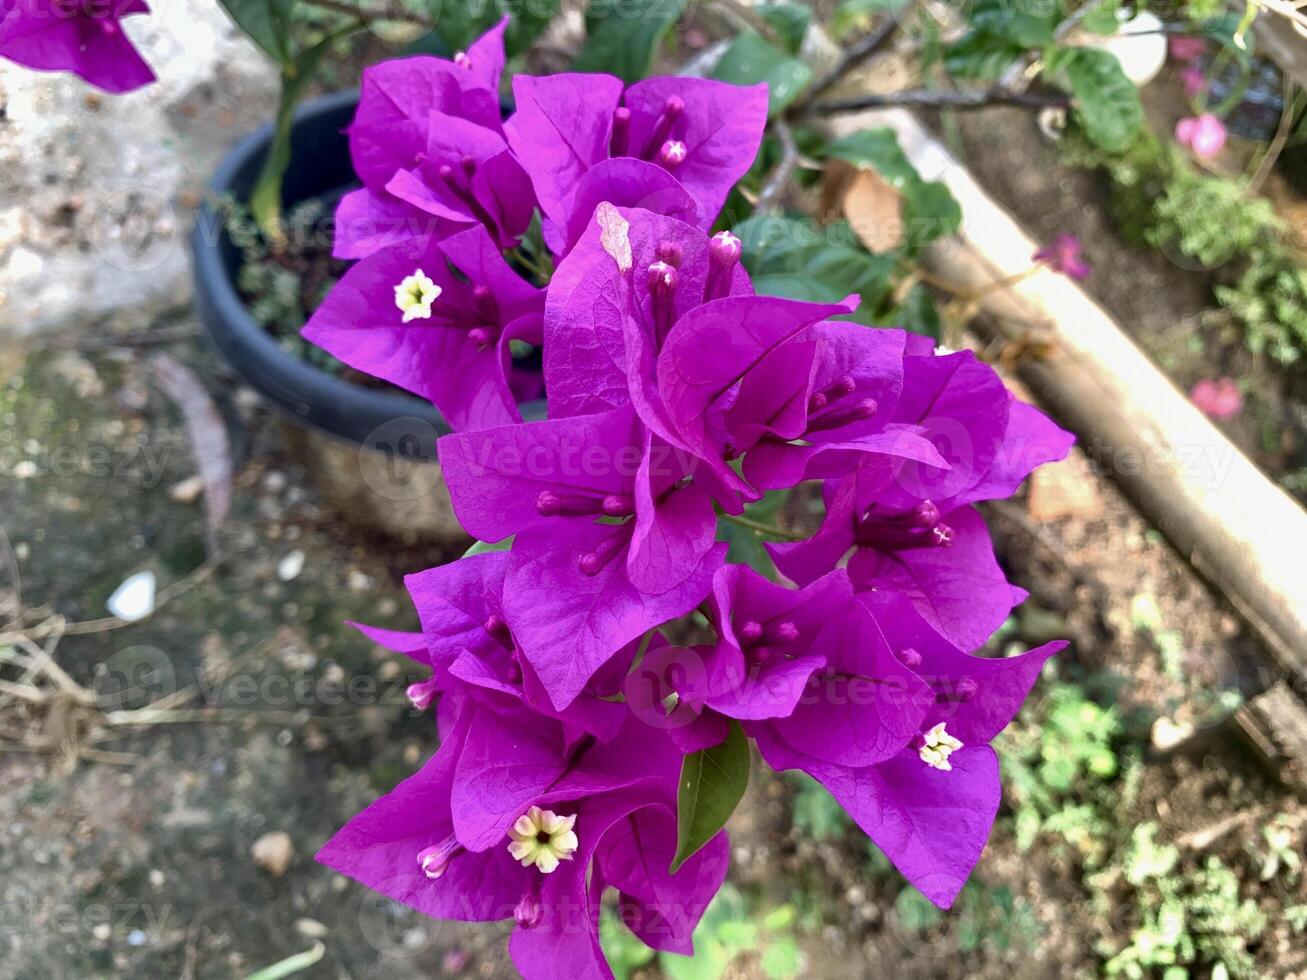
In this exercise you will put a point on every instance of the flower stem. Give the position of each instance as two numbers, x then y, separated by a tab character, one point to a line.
767	529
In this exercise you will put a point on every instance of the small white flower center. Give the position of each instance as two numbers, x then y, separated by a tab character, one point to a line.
937	746
543	838
415	295
943	350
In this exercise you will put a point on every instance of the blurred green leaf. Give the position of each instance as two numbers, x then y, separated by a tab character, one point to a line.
980	56
267	22
782	959
1107	101
1024	25
790	20
915	911
1102	18
622	37
624	951
751	59
879	149
291	965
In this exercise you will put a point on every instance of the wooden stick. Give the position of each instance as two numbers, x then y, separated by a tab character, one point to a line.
1237	528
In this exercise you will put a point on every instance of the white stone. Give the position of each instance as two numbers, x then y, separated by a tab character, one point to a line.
90	219
134	599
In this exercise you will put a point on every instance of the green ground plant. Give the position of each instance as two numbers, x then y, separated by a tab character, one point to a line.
731	929
1160	199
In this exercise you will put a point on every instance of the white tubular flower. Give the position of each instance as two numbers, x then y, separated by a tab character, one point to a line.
937	746
415	295
543	838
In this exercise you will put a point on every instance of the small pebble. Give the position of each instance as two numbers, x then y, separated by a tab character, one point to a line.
289	568
134	599
273	852
310	928
187	491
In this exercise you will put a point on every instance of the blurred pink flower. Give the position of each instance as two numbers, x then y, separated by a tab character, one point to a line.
1186	48
1204	135
1217	398
1193	80
1062	254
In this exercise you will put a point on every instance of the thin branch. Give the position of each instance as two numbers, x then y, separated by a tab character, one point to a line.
1277	143
366	15
937	99
767	529
769	198
750	18
856	55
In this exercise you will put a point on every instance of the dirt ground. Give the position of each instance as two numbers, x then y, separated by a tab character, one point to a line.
1158	297
137	861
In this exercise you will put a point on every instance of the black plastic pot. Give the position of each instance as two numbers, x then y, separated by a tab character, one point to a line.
373	452
320	169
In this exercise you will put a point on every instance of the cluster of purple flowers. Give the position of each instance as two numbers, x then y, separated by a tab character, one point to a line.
84	37
677	397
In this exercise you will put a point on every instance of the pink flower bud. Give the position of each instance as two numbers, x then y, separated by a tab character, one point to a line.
1204	135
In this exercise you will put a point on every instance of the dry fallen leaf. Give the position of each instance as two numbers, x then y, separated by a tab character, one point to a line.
208	437
874	210
1064	489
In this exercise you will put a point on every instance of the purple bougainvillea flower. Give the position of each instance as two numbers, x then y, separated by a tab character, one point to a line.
1193	80
467	641
1062	254
1185	47
822	420
399	104
614	300
1204	135
768	645
512	824
1217	398
931	805
908	527
704	133
85	38
613	538
808	667
404	316
467	176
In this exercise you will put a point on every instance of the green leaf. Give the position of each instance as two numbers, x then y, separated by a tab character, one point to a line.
291	965
980	56
486	547
713	782
458	24
746	547
782	959
1107	101
930	211
265	199
1020	24
915	911
878	149
1102	19
790	20
793	257
623	950
858	15
916	314
929	208
267	22
751	59
623	36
